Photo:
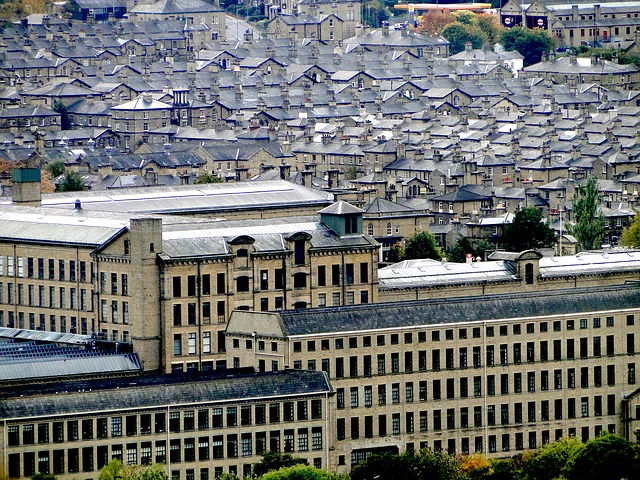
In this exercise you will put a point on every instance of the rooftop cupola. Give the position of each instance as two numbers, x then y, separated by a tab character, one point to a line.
343	218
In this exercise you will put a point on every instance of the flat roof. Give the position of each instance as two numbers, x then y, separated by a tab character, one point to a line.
195	199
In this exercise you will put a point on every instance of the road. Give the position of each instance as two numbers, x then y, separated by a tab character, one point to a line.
237	27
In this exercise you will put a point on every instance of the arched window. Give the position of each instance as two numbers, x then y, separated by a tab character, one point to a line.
456	100
370	229
389	228
127	247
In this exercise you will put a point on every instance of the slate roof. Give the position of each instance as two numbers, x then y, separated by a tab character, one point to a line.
340	208
175	7
381	206
453	310
158	391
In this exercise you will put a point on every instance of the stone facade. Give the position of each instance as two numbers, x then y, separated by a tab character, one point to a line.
143	283
407	377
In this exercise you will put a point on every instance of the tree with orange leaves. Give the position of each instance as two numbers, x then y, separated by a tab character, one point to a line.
434	21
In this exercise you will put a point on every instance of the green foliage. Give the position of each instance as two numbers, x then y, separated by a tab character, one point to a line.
396	252
72	182
275	461
425	464
588	223
459	33
490	27
470	27
607	456
143	472
552	460
458	253
43	476
299	472
624	58
482	247
527	231
55	168
111	471
436	465
65	118
505	469
631	234
422	245
530	43
208	178
374	12
114	470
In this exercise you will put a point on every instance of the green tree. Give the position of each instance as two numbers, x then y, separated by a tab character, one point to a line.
530	43
551	460
111	471
482	248
43	476
422	245
607	456
588	222
490	26
436	465
374	12
527	231
459	33
275	461
505	469
384	466
72	182
114	470
425	464
458	253
396	252
55	168
631	234
299	472
65	118
208	178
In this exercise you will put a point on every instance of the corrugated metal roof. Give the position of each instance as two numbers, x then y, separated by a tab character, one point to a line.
195	198
41	336
588	263
443	273
42	226
51	367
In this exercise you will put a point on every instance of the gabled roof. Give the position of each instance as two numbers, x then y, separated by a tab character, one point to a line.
380	205
175	6
462	194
